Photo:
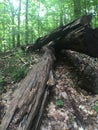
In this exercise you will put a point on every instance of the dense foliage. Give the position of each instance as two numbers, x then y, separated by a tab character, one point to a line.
22	22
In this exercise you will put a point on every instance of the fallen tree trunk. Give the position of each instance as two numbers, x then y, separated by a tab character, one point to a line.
76	36
60	32
28	98
87	72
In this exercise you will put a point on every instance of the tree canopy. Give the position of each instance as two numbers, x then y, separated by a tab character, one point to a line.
22	22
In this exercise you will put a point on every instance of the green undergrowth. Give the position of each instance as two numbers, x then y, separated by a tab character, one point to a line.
14	67
1	83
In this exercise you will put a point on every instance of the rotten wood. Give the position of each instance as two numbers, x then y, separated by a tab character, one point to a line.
76	36
87	72
60	32
28	97
26	108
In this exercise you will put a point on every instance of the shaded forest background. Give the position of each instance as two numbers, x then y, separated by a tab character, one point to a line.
23	21
68	79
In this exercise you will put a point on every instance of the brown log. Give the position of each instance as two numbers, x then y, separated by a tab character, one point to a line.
87	72
28	102
28	97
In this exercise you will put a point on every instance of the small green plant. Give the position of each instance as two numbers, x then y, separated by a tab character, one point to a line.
19	73
18	54
59	103
1	80
95	107
72	119
1	83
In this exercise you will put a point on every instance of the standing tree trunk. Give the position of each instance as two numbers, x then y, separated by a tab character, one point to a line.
85	7
26	23
18	35
13	12
4	28
13	30
77	8
61	6
38	9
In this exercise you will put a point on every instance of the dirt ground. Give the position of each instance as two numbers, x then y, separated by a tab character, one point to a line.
70	107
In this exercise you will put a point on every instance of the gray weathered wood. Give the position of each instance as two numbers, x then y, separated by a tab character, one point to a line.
28	96
87	72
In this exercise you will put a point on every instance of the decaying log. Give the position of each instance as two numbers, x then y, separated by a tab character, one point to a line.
83	40
76	36
61	32
87	72
28	98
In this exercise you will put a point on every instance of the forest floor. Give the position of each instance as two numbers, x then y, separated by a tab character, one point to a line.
68	107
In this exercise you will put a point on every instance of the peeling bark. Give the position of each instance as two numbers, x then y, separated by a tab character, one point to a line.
28	98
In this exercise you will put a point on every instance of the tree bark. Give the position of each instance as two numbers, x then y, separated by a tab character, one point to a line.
77	8
18	35
26	108
28	98
26	23
13	13
87	72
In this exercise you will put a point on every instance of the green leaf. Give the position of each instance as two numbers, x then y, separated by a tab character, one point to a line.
95	107
59	103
